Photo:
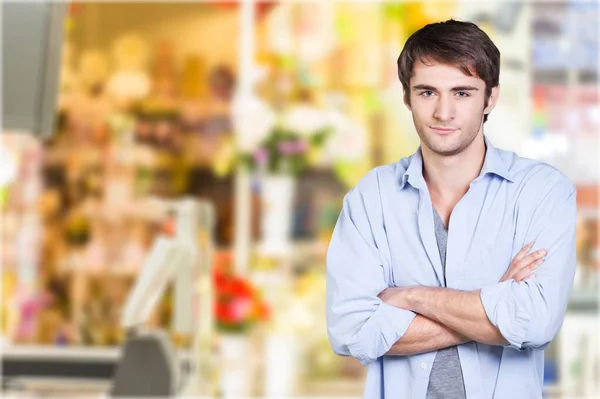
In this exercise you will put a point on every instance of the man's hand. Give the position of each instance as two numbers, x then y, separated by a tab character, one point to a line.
522	266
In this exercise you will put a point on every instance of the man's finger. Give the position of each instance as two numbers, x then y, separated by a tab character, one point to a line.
516	264
526	261
529	277
522	260
530	258
526	271
523	251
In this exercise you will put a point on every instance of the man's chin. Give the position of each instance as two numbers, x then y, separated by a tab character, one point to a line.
448	152
446	149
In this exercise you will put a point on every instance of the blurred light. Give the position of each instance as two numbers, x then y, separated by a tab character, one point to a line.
8	166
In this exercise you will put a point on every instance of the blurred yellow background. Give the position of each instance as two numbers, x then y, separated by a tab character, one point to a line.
272	128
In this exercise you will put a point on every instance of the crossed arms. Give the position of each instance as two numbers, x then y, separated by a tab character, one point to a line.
367	319
447	317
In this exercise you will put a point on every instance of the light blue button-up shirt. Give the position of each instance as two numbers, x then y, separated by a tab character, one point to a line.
385	237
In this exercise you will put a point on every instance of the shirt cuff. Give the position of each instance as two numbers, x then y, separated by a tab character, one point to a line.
504	312
375	338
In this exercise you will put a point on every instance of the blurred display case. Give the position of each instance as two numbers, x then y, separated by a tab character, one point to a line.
75	229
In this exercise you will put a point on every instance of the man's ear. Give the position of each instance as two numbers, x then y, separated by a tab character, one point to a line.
492	100
407	101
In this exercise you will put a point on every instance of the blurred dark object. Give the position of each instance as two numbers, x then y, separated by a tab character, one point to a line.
205	184
32	36
148	367
313	186
221	82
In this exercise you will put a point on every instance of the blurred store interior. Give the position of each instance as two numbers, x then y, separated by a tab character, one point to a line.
240	127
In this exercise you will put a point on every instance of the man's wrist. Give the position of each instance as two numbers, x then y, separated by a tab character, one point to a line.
411	296
406	297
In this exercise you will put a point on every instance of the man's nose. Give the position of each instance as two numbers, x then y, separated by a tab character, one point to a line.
444	109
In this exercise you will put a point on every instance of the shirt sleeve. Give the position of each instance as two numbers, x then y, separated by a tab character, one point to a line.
359	324
530	313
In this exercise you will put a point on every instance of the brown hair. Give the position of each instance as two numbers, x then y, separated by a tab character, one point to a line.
452	42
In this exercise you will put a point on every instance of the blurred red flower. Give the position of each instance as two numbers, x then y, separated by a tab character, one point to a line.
238	305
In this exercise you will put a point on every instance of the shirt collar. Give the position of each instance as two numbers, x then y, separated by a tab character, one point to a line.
414	171
493	164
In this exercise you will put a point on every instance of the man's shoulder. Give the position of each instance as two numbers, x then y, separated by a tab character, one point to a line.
536	176
382	176
377	183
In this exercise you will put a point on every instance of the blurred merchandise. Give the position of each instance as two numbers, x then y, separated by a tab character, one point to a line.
579	356
129	82
587	277
155	106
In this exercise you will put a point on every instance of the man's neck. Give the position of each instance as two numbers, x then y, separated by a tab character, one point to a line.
448	177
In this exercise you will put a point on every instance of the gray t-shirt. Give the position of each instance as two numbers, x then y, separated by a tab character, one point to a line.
446	378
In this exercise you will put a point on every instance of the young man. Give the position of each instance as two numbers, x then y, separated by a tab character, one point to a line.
429	275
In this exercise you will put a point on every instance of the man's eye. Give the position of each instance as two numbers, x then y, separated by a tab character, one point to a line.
427	93
462	94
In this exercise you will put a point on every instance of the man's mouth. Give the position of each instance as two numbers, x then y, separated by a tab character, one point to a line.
443	130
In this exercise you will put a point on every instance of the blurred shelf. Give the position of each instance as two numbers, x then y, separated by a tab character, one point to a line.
551	391
583	301
70	362
42	352
591	213
347	388
59	362
101	273
564	76
55	387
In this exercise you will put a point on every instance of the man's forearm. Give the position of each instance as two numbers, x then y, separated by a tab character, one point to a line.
460	311
425	335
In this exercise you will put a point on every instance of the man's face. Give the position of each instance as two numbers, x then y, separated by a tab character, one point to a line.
447	106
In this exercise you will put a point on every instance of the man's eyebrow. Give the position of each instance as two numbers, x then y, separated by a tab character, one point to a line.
457	88
424	87
465	88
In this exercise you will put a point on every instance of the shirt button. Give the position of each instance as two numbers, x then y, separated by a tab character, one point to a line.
423	366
